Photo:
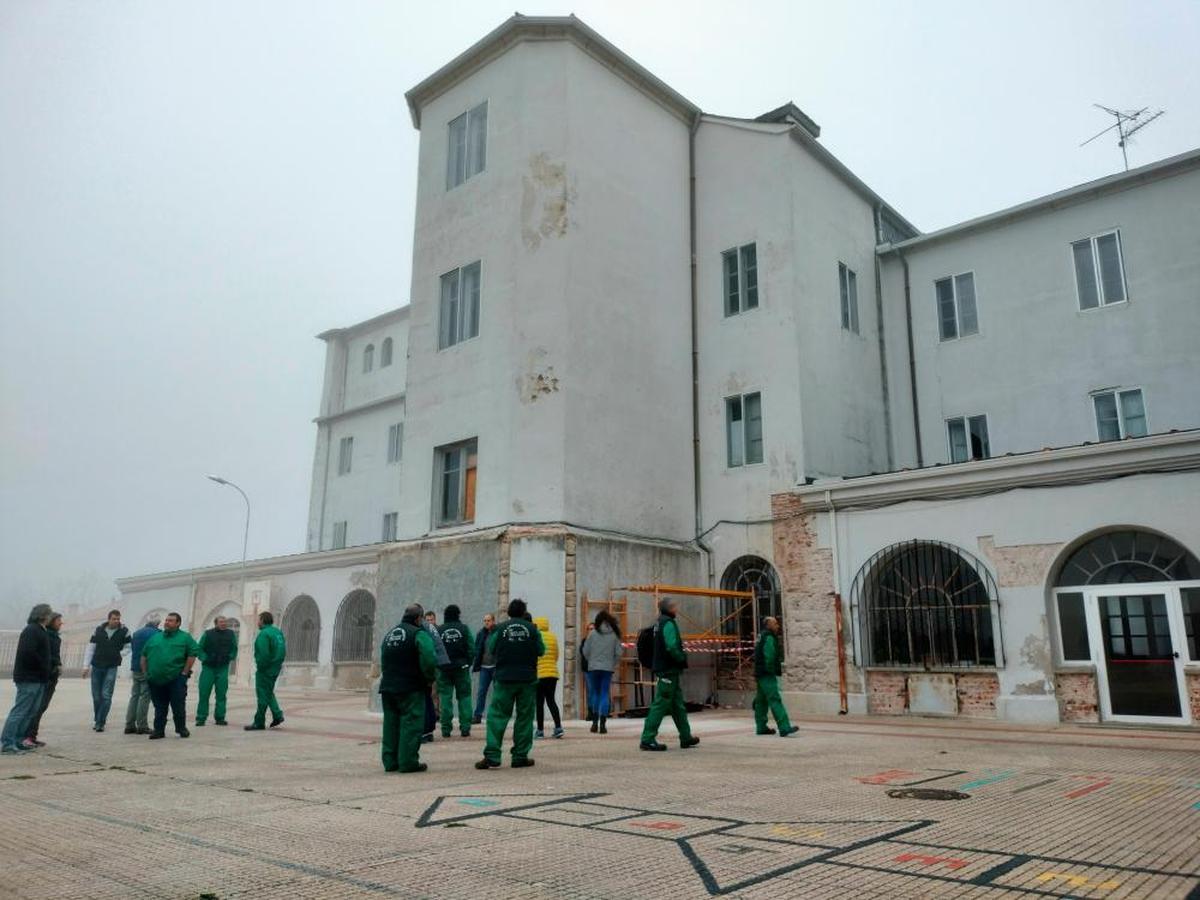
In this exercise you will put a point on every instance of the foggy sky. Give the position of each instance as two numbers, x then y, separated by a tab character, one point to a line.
189	192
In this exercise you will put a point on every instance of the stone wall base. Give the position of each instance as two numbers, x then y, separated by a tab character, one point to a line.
967	694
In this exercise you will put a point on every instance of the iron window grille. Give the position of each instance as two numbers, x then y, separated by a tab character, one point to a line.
1128	557
756	575
302	629
354	630
927	605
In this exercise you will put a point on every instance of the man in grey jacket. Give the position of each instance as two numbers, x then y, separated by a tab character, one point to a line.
602	650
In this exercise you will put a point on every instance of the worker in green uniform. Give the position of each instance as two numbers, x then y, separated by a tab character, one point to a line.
407	664
670	660
516	645
768	666
270	650
455	678
218	648
167	660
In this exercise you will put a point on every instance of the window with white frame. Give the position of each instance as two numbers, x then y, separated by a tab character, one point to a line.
743	429
454	490
956	306
468	146
1119	414
395	442
389	525
968	436
741	279
369	358
385	353
848	283
345	455
339	535
459	320
1099	270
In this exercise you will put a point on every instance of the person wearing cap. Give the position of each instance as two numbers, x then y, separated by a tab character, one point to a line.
670	659
137	713
218	648
456	677
517	644
407	666
768	667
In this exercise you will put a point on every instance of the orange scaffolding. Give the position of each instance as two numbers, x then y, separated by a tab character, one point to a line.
733	652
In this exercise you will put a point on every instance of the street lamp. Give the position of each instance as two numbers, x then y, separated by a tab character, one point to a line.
246	536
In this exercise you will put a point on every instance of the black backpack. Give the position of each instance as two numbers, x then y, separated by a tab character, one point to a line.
645	647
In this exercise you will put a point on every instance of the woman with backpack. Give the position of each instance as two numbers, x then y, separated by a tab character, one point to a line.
602	650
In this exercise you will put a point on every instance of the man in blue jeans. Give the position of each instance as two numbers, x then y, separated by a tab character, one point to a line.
102	659
485	665
31	671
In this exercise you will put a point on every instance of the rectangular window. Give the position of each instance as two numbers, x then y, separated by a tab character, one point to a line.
460	306
968	438
455	489
395	442
741	279
848	283
389	525
1099	270
1120	414
339	535
468	146
1072	629
1191	621
956	306
743	429
345	455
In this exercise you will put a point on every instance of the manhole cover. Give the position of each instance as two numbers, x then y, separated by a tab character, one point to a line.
926	794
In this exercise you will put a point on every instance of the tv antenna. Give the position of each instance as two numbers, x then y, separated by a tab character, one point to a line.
1129	122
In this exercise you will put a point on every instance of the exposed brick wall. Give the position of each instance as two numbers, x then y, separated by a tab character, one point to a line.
887	693
806	576
1077	700
570	628
1019	565
1193	692
977	692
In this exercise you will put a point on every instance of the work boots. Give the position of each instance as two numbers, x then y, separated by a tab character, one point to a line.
595	724
603	725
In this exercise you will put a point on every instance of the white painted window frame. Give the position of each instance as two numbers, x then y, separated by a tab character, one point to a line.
847	279
1103	304
1117	392
345	455
446	340
466	117
390	524
937	305
966	421
737	253
395	443
439	470
728	422
340	530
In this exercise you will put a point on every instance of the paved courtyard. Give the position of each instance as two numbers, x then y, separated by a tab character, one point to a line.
306	811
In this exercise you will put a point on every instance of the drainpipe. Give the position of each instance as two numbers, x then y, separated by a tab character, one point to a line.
837	601
696	494
883	371
912	361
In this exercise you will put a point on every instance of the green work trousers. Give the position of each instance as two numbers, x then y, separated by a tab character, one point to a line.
668	698
264	690
403	722
212	677
767	697
448	684
506	695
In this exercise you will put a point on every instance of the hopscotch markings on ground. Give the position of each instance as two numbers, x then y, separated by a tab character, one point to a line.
950	862
987	779
1077	881
1097	782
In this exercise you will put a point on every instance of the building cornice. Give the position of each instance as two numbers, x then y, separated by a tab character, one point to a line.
1160	453
256	568
519	29
389	400
1091	190
392	315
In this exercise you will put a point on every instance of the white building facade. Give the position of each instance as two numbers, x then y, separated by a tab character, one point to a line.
637	332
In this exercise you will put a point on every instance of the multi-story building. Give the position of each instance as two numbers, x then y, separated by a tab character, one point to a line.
633	324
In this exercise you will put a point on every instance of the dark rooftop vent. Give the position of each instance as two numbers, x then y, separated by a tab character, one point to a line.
792	114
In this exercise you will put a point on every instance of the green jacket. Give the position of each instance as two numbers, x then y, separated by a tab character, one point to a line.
203	644
270	650
166	653
768	661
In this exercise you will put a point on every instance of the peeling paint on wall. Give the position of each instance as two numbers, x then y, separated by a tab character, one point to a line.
546	199
1035	653
1020	565
534	385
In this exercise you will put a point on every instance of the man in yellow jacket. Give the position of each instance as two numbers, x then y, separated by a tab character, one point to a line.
547	671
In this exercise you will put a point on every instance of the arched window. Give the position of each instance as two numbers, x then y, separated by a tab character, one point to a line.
369	358
750	573
925	604
354	630
385	353
302	629
1128	557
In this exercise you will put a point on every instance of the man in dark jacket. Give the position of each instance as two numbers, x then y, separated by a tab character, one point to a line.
218	648
485	665
407	667
31	741
103	659
670	660
517	645
31	671
137	713
455	679
768	666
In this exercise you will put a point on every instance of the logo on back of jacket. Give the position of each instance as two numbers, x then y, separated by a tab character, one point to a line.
396	636
516	632
452	636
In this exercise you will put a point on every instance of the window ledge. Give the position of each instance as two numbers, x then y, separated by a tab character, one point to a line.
940	670
1075	668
